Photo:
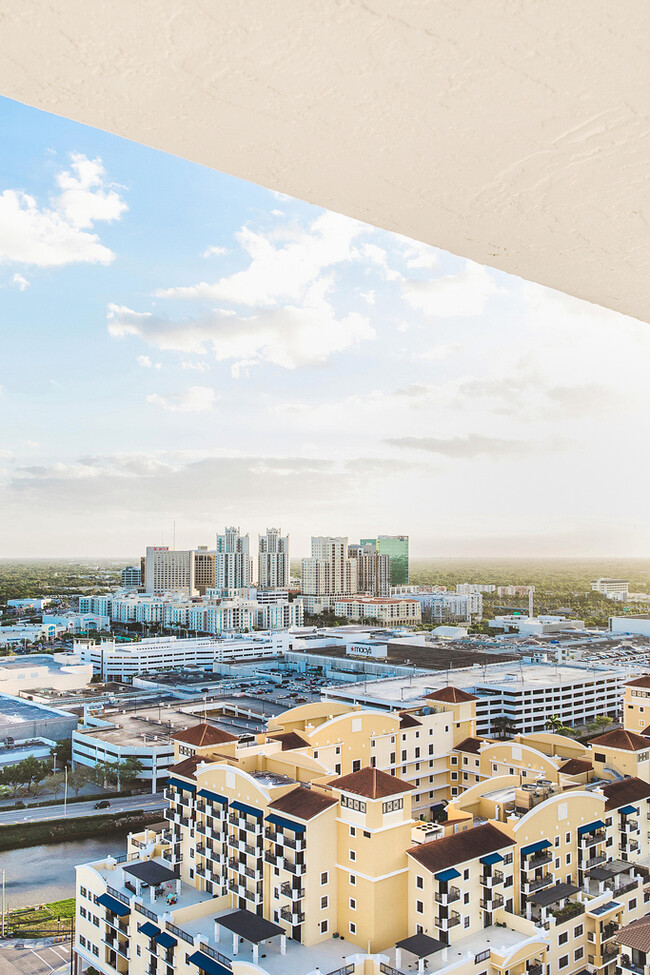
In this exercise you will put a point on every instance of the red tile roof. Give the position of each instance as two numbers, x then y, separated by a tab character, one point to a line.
201	735
453	695
643	681
468	845
290	740
576	766
187	768
636	935
407	720
626	791
371	783
625	740
472	745
303	803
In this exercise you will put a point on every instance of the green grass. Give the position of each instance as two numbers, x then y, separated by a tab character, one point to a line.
35	921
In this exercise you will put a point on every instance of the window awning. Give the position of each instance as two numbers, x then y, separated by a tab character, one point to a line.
526	851
250	810
446	875
213	796
491	859
285	823
629	811
165	939
209	965
113	905
179	784
149	929
591	827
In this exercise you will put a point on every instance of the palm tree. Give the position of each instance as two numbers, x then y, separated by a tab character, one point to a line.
554	723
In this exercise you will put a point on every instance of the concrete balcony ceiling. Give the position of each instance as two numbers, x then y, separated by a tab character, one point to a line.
512	132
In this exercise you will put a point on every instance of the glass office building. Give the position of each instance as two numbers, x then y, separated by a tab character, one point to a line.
397	547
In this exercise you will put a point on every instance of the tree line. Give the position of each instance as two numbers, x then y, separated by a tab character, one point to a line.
36	777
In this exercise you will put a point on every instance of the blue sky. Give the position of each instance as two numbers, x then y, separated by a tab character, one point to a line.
178	344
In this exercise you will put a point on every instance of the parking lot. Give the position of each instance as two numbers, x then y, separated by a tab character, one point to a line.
29	960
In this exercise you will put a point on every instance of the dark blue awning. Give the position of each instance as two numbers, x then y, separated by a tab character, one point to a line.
629	811
166	940
242	807
534	847
446	875
591	827
213	796
179	784
111	904
149	929
491	859
285	823
208	964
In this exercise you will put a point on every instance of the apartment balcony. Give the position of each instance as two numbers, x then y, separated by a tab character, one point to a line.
492	879
201	849
287	889
608	952
202	828
627	965
445	923
118	926
200	805
172	857
242	822
453	894
534	968
591	839
296	868
243	847
121	948
594	861
492	905
608	932
293	844
539	860
291	915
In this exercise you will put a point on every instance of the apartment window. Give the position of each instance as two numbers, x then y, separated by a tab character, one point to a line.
353	880
564	961
353	855
324	902
564	937
577	931
599	757
430	749
567	838
466	898
578	954
82	911
353	831
466	874
353	927
324	877
356	765
557	841
316	754
391	805
353	904
84	892
356	804
403	754
323	927
632	904
454	760
417	752
337	750
419	882
466	922
568	859
454	776
366	834
419	907
393	758
337	769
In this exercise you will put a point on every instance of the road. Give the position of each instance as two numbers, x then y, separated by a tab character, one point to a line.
39	814
34	961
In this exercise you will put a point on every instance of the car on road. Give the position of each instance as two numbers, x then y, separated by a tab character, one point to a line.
102	804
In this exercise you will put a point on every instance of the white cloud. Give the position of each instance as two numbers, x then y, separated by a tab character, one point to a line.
147	363
368	296
289	337
214	251
458	295
20	282
84	197
196	366
196	399
51	236
283	272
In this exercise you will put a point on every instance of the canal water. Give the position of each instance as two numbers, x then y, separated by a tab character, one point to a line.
38	874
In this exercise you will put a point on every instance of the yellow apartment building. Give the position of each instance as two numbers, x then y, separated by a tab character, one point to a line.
306	850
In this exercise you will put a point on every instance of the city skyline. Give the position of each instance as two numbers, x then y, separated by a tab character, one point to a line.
204	351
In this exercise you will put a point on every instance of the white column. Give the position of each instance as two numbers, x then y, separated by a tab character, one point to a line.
283	944
420	964
152	894
398	958
256	953
235	943
217	931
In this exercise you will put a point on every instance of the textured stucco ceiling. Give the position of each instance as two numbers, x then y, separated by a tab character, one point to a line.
514	132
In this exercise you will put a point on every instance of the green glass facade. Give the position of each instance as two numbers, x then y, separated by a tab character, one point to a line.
397	547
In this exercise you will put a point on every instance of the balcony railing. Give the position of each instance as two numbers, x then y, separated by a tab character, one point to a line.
628	965
590	839
538	860
122	898
534	968
497	901
594	861
449	922
537	883
293	917
213	953
491	879
289	890
453	894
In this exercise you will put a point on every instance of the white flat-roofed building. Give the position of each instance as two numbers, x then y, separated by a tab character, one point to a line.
616	589
465	588
447	607
637	624
535	625
527	694
384	610
123	661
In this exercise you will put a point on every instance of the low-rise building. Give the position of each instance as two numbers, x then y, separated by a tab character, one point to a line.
385	610
616	589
